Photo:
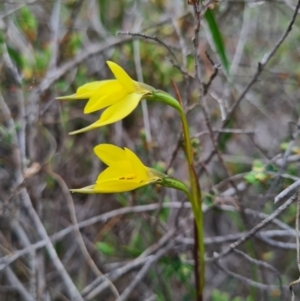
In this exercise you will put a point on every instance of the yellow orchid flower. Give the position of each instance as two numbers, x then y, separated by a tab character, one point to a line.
125	171
120	96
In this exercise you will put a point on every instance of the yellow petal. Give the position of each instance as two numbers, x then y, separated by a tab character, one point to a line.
114	113
87	189
108	94
138	167
111	187
91	87
109	153
85	91
120	110
69	97
122	76
117	186
86	129
119	172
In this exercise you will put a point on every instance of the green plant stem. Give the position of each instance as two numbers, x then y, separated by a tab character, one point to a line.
197	264
195	195
176	184
196	200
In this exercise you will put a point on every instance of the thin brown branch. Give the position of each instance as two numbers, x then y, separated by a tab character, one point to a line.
80	241
254	230
147	37
260	68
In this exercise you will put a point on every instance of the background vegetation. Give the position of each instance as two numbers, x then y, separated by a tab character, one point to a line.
142	241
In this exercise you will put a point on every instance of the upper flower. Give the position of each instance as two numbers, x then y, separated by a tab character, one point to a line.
125	171
121	96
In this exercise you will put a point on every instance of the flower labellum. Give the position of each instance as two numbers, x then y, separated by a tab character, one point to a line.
125	171
119	96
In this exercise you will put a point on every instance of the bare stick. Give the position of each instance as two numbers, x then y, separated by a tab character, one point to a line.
92	49
13	279
80	241
147	37
18	229
287	191
139	73
246	280
94	288
255	229
26	202
262	264
8	259
260	68
141	274
263	63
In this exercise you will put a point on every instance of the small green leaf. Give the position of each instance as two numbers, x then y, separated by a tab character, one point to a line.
105	248
15	56
219	296
27	18
237	299
217	39
164	214
251	177
208	199
136	241
284	146
75	41
122	199
261	176
42	59
2	37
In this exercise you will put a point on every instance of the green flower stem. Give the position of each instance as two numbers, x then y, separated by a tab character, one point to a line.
176	184
195	195
166	98
167	181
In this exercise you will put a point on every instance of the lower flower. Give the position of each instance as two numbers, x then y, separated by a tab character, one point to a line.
125	171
